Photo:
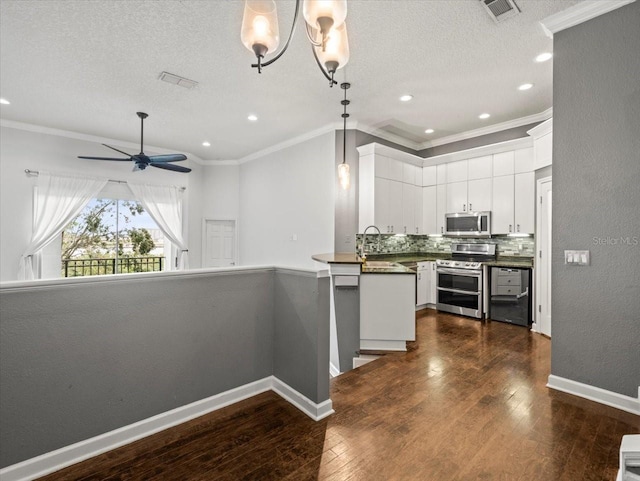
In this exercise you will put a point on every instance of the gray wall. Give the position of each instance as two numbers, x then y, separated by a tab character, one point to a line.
78	360
494	138
596	201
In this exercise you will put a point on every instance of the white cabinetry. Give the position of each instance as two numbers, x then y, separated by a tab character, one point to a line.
480	167
457	171
513	204
503	163
457	197
429	176
429	210
390	190
441	207
542	144
426	283
479	195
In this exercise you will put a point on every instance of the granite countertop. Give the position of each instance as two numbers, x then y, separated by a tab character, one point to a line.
384	267
338	258
502	261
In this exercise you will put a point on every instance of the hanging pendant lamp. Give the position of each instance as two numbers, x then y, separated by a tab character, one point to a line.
343	168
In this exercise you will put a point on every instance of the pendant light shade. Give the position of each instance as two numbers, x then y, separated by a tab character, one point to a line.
344	176
324	14
336	52
260	32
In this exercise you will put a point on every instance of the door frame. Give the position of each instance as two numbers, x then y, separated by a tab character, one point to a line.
536	325
203	253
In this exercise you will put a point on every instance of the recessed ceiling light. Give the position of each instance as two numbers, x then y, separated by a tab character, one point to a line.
406	98
4	102
525	86
484	116
543	57
429	131
206	144
252	117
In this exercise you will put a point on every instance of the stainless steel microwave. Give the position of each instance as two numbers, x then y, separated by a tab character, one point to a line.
468	224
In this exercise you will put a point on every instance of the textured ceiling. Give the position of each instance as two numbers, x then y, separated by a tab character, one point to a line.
88	66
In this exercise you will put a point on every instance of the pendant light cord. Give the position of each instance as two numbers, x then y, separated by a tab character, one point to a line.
344	86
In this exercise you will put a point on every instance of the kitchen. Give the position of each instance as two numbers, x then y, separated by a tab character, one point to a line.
262	197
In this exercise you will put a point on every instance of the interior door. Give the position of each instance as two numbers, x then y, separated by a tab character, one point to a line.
220	243
543	261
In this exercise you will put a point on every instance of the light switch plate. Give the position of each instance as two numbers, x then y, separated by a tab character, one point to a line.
576	258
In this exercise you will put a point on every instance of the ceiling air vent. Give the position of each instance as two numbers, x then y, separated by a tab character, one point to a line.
176	80
500	10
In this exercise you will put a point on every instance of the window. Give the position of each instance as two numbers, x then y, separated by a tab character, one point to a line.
112	236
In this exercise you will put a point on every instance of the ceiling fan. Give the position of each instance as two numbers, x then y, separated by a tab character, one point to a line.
141	160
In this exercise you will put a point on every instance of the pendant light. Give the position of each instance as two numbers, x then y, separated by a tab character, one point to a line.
343	168
260	34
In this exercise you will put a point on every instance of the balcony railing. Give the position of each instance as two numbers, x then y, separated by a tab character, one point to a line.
122	265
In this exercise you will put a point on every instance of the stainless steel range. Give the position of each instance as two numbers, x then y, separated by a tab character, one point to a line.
460	280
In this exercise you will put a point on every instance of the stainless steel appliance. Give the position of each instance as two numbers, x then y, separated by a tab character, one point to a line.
510	299
468	224
460	280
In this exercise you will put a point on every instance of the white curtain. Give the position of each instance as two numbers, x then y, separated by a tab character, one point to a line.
164	205
58	200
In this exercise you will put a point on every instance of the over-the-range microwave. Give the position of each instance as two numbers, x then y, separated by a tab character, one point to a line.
468	224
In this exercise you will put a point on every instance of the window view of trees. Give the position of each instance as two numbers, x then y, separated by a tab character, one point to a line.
112	237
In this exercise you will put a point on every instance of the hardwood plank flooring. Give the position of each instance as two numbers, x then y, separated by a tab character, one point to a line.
468	401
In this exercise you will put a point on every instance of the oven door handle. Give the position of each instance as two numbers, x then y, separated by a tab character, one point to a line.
458	291
462	272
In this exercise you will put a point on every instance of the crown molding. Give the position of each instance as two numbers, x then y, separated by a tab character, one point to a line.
332	127
579	13
39	129
514	144
376	148
490	129
541	129
396	139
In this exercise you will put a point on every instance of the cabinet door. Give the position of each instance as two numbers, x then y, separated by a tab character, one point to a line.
422	286
417	214
502	211
457	171
381	205
429	210
479	195
480	167
524	202
441	207
409	173
441	173
395	169
523	161
457	197
408	210
503	163
395	207
433	291
429	176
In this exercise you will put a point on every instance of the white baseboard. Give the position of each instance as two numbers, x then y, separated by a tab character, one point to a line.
313	410
333	370
61	458
602	396
376	345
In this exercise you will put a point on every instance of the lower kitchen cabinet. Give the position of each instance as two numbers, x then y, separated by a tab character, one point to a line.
426	283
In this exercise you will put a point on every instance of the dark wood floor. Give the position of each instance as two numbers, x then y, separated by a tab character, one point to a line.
467	402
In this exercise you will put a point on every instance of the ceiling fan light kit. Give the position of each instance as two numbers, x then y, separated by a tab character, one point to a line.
141	160
260	33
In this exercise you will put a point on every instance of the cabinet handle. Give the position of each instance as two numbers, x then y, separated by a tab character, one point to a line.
441	230
419	276
518	228
388	229
416	230
391	229
464	207
405	229
470	207
510	227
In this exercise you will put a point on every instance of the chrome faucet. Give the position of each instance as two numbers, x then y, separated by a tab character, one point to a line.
363	254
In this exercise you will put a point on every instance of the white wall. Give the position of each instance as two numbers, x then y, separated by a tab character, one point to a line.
288	193
21	149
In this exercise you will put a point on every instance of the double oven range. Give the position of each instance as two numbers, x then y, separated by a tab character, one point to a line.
460	280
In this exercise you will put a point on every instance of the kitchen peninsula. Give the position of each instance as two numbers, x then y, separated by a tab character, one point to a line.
374	305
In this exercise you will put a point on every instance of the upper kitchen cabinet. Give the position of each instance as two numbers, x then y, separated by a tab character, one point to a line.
542	144
513	201
457	171
390	190
504	163
480	167
429	176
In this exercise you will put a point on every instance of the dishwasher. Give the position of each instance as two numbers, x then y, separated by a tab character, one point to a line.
510	298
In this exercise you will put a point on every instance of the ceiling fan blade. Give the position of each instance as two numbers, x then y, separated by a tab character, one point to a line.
113	148
176	168
167	158
103	158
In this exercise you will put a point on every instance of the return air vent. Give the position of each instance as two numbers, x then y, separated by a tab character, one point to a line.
500	10
176	80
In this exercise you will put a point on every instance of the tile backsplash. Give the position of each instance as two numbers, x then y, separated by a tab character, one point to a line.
394	244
